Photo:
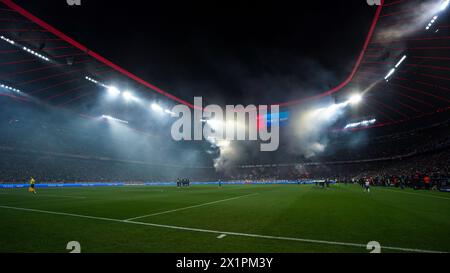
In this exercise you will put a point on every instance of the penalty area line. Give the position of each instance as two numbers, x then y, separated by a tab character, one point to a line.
190	207
219	232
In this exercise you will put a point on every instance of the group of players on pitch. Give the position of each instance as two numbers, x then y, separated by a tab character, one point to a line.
364	183
187	183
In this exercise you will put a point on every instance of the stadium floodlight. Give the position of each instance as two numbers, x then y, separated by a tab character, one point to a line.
430	24
91	79
96	82
32	52
128	96
167	111
7	87
114	119
444	5
401	61
330	111
391	72
7	40
355	99
156	107
364	123
24	48
113	91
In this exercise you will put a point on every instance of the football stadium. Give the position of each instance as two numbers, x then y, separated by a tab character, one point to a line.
225	127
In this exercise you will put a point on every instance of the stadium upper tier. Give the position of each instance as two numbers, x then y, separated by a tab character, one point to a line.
403	65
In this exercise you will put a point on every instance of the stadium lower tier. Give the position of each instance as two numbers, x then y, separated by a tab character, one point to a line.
18	168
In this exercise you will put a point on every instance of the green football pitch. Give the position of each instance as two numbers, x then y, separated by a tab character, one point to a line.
238	218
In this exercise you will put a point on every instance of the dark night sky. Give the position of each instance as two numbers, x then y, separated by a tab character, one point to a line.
227	51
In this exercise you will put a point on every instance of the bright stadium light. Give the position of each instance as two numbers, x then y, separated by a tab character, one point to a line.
32	52
331	111
401	61
7	87
156	107
91	79
128	96
430	24
391	72
113	91
364	123
355	99
24	48
7	40
96	82
114	119
444	5
168	111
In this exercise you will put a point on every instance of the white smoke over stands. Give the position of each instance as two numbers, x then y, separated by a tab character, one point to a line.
239	123
310	129
129	97
225	129
312	125
444	5
157	108
228	155
421	13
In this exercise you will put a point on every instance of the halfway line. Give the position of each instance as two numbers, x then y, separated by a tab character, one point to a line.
190	207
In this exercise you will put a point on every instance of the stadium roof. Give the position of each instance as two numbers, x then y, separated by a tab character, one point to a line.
47	64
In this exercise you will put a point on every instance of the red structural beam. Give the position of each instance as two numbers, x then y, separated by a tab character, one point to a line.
13	6
355	67
93	54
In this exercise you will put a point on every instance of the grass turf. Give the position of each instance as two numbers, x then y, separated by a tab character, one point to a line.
342	213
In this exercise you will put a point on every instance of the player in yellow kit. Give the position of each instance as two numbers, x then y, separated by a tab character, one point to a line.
32	186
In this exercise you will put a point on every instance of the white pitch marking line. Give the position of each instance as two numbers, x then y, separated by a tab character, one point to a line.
221	236
45	195
220	232
190	207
